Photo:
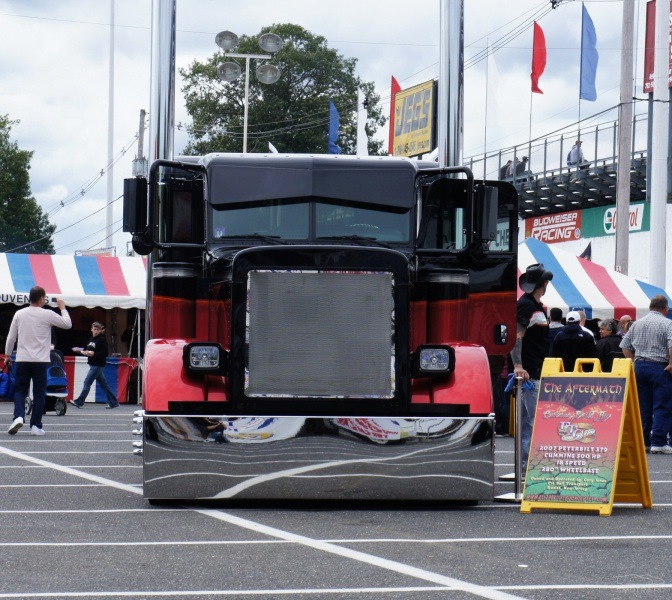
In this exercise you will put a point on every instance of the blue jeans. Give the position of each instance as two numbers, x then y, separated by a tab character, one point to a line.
96	374
25	371
529	409
654	388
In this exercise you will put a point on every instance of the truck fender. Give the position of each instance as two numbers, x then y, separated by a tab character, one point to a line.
164	377
470	383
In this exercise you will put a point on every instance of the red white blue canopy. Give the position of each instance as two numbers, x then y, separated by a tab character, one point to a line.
108	282
583	285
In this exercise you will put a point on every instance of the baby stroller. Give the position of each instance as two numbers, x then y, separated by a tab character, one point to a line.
7	382
57	387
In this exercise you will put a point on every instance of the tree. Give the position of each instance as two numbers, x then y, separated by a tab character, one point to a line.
292	114
23	225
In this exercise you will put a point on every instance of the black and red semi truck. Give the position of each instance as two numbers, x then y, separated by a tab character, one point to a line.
320	327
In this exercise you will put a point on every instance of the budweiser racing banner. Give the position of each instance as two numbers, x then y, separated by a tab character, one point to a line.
589	223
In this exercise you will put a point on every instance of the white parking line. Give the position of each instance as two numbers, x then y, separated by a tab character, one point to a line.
238	593
393	541
383	563
73	466
319	591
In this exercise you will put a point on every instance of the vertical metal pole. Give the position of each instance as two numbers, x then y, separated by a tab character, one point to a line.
649	145
109	213
597	138
162	86
518	455
141	134
451	80
247	98
162	104
659	192
624	140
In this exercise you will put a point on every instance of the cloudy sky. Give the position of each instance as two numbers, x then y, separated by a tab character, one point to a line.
54	71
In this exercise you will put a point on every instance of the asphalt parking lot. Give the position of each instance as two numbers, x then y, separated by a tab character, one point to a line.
74	525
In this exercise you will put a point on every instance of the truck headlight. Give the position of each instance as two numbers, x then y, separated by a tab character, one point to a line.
205	357
433	360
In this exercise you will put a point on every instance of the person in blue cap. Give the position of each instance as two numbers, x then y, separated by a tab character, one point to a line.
531	347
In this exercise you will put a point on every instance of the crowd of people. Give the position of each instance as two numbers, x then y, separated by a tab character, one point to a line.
518	169
647	341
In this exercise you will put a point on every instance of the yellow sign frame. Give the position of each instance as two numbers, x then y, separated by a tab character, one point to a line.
631	482
414	120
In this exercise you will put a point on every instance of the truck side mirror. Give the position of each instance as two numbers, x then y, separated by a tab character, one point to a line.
487	207
135	205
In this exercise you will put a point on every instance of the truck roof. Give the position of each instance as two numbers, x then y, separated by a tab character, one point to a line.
236	178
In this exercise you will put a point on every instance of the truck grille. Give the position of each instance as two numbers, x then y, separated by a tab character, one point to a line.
320	334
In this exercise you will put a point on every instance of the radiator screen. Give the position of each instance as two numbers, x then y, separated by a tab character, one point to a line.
320	334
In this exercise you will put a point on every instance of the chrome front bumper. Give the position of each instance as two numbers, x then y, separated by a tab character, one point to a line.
304	458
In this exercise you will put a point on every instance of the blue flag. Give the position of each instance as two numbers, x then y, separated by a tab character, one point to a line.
589	57
333	129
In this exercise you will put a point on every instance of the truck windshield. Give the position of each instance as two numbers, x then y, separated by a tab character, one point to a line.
310	220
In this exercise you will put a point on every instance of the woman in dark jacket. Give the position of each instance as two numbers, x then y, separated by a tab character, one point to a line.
608	347
97	352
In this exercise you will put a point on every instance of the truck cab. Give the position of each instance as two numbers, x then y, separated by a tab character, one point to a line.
339	311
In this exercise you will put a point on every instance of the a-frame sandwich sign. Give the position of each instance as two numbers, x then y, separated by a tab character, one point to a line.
587	448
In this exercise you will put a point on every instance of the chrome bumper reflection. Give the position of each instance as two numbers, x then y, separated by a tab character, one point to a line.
215	457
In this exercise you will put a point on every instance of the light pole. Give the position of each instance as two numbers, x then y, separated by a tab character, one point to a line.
230	71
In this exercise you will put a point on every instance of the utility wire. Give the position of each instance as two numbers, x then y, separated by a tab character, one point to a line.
90	183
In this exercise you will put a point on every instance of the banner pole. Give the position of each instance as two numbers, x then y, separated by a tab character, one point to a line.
518	455
516	476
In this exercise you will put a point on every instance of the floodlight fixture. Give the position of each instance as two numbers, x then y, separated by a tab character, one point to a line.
229	71
271	42
268	73
226	40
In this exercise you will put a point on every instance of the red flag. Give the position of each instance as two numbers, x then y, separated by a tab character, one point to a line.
393	92
538	57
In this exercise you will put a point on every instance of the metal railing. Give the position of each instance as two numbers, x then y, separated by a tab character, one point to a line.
548	156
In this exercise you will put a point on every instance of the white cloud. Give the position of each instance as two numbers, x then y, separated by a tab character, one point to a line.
54	74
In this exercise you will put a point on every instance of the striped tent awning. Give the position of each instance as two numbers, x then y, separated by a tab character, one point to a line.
583	285
108	282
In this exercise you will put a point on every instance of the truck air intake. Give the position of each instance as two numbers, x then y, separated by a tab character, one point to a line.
313	333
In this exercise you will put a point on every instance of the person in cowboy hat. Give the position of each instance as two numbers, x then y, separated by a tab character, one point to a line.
531	347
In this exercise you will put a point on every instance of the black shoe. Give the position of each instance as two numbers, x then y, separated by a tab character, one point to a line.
75	404
110	406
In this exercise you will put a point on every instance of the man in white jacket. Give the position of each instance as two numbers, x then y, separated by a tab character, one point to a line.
575	156
31	331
